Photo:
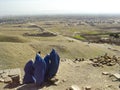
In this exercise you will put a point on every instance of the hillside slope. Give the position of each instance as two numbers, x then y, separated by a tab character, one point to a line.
16	54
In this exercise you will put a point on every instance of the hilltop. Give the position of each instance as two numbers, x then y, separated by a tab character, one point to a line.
21	38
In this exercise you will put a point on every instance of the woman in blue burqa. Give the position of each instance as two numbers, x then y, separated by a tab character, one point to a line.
52	64
39	69
29	73
35	72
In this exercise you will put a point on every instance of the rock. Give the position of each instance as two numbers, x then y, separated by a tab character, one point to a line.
78	60
97	65
87	87
64	80
98	89
14	72
73	87
110	64
1	80
105	73
4	75
117	75
91	59
63	60
54	79
112	87
57	82
15	79
105	60
95	60
82	59
7	80
10	75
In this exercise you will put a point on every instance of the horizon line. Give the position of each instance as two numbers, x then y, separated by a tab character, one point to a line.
65	14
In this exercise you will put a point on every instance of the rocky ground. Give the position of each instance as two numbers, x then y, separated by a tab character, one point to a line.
79	73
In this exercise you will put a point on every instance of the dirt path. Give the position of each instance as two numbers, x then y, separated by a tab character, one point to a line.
109	47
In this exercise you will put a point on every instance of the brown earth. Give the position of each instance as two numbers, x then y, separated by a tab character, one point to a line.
82	74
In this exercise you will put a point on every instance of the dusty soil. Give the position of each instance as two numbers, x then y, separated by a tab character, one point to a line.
82	74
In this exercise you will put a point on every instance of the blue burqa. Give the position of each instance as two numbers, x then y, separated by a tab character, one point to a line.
53	64
29	72
40	68
47	61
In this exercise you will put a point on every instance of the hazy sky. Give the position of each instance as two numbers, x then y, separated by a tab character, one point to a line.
31	7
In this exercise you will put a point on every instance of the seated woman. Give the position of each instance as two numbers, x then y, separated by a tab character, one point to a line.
40	68
29	73
52	62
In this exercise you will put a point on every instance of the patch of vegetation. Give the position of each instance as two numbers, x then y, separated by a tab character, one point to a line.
90	32
79	37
